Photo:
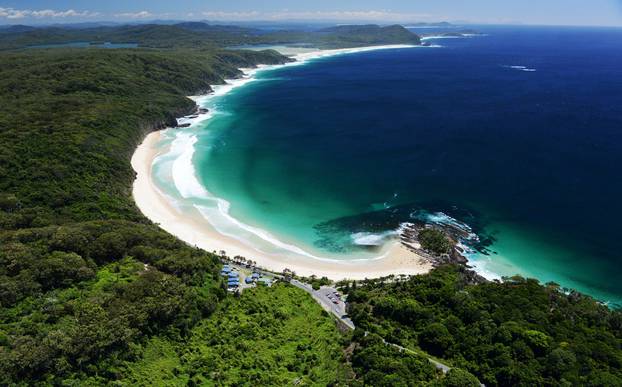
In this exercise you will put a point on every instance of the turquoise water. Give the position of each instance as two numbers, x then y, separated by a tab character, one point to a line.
515	135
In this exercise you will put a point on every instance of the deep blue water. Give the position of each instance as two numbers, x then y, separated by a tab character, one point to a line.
517	133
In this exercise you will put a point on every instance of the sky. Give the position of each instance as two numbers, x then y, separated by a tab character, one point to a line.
545	12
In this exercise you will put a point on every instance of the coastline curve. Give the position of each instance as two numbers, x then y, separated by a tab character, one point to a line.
191	223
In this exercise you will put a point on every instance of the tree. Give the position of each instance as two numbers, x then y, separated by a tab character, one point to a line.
435	241
62	269
287	275
559	361
436	339
457	377
537	340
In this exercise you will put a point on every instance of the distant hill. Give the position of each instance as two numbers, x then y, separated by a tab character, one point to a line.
13	29
370	34
204	27
440	24
203	35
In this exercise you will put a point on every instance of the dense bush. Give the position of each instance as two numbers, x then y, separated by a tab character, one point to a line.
435	241
84	277
378	364
267	337
513	333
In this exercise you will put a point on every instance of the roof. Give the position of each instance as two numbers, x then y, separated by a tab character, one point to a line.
248	280
256	275
232	274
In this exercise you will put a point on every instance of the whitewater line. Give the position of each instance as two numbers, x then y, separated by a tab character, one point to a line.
184	172
198	230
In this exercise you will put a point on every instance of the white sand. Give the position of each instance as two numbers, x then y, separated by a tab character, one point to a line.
194	230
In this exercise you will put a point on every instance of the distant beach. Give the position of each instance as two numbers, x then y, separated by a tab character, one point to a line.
190	225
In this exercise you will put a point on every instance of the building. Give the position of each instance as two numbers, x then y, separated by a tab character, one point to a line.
225	270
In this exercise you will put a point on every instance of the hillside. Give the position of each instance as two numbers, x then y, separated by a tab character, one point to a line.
83	275
507	334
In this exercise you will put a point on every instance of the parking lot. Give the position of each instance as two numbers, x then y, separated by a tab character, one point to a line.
327	297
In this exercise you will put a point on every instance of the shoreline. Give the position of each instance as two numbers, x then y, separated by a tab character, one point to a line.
192	228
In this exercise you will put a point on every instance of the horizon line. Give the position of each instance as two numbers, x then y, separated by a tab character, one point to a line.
307	21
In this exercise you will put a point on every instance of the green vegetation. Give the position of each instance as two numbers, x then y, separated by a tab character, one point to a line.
79	331
316	283
201	35
513	333
435	241
269	336
343	36
366	35
378	364
71	120
84	278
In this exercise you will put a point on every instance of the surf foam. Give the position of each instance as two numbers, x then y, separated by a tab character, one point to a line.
184	175
521	68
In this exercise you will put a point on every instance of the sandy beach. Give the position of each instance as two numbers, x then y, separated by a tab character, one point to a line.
192	228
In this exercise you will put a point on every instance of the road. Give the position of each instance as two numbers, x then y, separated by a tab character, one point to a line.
438	365
325	297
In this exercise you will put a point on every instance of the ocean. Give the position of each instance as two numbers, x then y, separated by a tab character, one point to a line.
515	135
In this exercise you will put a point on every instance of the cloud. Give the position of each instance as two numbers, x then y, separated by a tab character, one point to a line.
135	15
334	16
12	13
377	15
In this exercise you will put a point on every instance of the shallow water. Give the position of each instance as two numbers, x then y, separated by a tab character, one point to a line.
517	134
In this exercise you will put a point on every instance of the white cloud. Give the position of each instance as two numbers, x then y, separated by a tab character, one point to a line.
335	16
12	13
250	15
369	15
135	15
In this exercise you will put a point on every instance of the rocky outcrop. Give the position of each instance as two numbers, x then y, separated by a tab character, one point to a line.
409	238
